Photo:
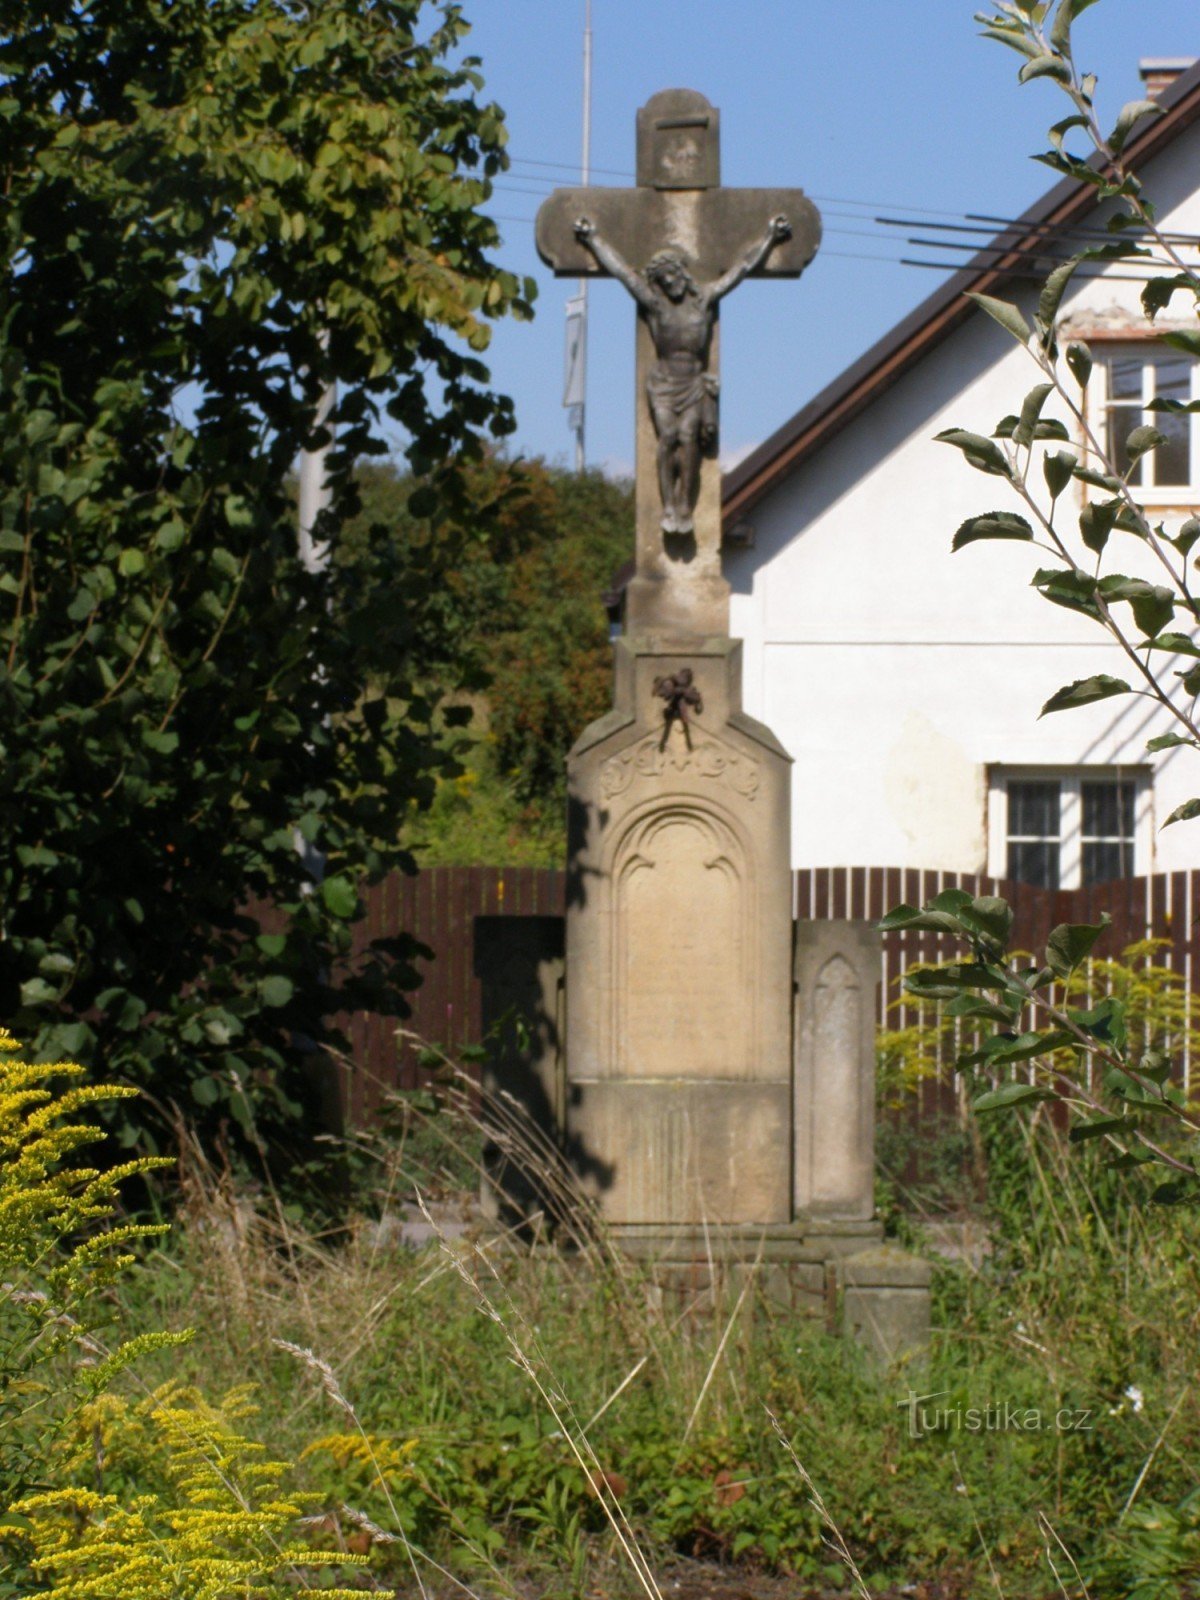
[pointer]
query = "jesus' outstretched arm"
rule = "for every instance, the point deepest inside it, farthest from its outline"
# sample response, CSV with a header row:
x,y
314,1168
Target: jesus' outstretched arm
x,y
614,262
778,228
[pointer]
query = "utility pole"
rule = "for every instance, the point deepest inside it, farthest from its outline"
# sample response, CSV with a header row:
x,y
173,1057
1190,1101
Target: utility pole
x,y
575,384
314,497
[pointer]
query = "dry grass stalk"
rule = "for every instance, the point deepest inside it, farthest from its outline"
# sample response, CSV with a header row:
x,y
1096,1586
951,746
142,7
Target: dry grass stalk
x,y
835,1541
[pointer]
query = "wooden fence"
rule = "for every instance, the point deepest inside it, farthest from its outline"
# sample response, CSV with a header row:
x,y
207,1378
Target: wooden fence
x,y
441,904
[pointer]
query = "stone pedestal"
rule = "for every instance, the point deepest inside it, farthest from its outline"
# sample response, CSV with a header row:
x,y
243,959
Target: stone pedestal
x,y
678,1007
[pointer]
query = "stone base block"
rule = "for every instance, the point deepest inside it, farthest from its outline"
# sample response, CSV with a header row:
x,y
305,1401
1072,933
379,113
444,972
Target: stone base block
x,y
793,1241
678,1152
885,1301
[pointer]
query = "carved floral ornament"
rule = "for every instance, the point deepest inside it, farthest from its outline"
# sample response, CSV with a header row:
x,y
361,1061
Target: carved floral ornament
x,y
704,758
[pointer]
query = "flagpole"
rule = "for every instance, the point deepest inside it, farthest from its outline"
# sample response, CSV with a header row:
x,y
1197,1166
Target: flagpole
x,y
586,176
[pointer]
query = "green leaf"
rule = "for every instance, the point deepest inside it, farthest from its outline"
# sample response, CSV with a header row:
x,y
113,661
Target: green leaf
x,y
1010,36
1068,587
1007,315
340,896
423,502
1031,411
272,945
1011,1094
1130,115
206,1091
1045,66
1071,943
1142,440
275,990
975,1006
1159,292
1180,644
239,513
1058,470
1079,359
944,982
1184,813
1061,129
1188,533
1029,1046
1099,480
1060,30
992,525
1183,339
1098,1128
988,916
939,915
983,454
1085,692
1169,741
37,992
164,743
131,562
1053,290
1096,522
1153,605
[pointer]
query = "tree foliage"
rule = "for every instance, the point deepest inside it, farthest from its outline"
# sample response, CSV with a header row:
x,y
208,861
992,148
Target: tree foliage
x,y
215,209
515,612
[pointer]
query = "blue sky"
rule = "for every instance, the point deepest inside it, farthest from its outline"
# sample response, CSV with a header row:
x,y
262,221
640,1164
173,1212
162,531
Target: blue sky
x,y
874,108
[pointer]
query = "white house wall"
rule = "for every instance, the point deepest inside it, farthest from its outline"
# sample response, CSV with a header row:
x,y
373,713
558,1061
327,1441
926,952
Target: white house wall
x,y
896,673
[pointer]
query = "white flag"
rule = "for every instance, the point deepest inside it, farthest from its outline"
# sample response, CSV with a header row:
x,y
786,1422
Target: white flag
x,y
575,371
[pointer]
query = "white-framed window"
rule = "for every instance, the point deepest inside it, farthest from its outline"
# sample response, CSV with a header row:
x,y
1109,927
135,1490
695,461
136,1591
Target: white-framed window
x,y
1133,375
1061,828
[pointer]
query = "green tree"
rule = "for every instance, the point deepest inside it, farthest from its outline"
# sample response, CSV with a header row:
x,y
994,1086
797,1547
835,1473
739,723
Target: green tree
x,y
1094,1058
513,610
214,209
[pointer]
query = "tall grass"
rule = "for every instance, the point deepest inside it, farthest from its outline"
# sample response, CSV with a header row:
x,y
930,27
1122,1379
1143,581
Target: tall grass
x,y
522,1414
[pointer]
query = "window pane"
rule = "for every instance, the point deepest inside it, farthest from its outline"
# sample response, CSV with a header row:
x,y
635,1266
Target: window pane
x,y
1173,378
1125,377
1033,808
1108,808
1104,861
1035,863
1173,460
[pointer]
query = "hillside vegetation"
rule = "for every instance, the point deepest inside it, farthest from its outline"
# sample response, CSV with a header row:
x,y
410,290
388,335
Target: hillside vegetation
x,y
513,609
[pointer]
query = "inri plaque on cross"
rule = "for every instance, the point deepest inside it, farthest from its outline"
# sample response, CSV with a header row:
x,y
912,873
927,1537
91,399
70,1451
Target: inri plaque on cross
x,y
678,243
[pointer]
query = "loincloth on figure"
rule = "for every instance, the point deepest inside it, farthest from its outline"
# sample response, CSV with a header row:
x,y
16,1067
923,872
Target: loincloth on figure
x,y
681,403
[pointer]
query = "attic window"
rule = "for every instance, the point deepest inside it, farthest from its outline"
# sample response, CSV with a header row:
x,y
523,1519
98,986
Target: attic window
x,y
1134,375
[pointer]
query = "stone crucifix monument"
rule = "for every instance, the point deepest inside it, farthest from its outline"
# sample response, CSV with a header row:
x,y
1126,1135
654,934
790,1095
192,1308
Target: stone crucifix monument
x,y
718,1093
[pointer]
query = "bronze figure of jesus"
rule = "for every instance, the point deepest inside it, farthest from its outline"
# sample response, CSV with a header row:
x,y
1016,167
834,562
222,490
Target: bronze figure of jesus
x,y
681,391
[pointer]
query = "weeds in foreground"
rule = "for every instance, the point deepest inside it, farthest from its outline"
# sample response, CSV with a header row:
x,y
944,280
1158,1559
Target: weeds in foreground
x,y
651,1416
493,1414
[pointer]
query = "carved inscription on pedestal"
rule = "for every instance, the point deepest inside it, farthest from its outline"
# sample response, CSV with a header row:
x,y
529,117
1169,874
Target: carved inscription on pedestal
x,y
682,1000
707,758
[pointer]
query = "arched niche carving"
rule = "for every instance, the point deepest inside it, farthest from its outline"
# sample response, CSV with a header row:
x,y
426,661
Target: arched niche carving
x,y
681,958
838,1108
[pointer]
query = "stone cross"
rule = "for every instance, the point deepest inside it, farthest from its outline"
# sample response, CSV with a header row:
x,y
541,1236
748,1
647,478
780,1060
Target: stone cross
x,y
678,243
